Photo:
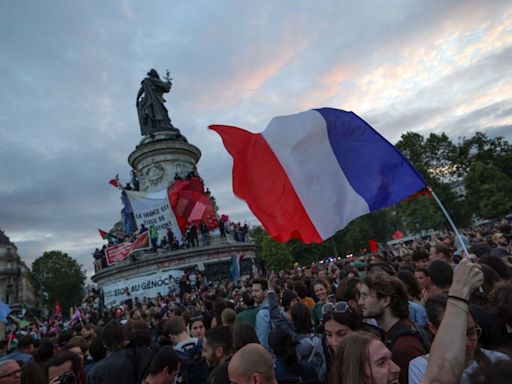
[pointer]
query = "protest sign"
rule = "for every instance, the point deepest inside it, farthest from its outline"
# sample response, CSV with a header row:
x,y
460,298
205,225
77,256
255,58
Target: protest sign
x,y
122,251
149,285
153,208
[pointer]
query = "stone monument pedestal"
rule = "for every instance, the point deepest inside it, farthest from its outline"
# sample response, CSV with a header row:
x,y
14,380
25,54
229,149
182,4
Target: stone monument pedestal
x,y
159,157
162,154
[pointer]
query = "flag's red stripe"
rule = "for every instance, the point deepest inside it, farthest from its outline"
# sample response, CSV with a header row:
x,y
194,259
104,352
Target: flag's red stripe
x,y
261,181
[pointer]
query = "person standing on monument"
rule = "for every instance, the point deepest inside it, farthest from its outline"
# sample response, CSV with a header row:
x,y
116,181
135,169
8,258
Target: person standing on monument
x,y
153,115
203,228
193,235
153,236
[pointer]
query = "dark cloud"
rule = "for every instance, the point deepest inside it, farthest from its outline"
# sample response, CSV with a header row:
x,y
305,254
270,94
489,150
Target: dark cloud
x,y
478,119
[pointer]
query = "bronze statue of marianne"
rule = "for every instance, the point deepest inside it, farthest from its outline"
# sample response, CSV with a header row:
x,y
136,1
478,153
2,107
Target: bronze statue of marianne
x,y
153,115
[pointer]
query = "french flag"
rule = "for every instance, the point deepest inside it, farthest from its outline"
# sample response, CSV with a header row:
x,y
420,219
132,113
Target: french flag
x,y
310,174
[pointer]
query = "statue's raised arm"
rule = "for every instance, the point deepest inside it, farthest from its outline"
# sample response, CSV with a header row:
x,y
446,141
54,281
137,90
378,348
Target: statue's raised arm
x,y
153,115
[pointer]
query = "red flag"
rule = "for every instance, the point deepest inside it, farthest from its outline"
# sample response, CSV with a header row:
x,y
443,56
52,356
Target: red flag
x,y
117,252
224,218
397,235
190,204
107,236
423,192
114,183
374,246
142,242
58,309
122,251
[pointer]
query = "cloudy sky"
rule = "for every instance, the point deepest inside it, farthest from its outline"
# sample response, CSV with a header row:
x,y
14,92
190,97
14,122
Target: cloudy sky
x,y
70,72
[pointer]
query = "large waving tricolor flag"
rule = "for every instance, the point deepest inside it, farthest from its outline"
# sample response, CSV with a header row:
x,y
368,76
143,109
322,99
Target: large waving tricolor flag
x,y
310,174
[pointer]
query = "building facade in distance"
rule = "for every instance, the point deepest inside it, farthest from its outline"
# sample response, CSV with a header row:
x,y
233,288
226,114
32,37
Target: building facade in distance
x,y
15,287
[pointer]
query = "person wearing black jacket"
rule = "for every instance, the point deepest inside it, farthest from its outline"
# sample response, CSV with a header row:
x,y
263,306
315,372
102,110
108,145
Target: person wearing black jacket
x,y
126,363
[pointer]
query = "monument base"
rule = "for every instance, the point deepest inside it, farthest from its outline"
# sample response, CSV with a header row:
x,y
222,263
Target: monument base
x,y
213,260
160,157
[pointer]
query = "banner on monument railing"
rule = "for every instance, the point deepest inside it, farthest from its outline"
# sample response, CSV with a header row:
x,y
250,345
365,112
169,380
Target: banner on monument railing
x,y
122,251
149,286
153,208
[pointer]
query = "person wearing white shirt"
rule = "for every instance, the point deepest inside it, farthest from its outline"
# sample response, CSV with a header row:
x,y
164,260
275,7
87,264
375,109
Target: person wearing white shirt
x,y
475,356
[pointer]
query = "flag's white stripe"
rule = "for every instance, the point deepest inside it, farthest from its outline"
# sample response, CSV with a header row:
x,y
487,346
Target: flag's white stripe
x,y
301,145
197,212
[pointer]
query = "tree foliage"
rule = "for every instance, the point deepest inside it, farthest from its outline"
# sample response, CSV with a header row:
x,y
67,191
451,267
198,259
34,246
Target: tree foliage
x,y
56,277
489,190
440,161
378,226
277,256
480,148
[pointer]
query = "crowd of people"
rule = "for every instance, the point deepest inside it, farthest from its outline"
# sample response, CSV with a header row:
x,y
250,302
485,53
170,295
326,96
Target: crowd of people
x,y
421,312
195,236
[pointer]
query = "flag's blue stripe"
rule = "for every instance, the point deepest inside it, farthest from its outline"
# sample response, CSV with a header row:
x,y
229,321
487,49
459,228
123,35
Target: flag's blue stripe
x,y
373,166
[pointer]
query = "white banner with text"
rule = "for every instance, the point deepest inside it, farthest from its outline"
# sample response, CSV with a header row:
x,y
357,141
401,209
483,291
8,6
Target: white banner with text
x,y
153,208
149,286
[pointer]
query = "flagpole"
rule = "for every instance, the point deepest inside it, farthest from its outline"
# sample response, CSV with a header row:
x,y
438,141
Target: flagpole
x,y
449,220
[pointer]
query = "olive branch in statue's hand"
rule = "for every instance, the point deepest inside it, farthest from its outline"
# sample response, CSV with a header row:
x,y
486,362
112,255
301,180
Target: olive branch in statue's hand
x,y
167,78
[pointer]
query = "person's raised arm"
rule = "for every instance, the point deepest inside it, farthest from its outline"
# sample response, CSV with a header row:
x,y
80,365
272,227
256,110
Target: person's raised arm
x,y
447,355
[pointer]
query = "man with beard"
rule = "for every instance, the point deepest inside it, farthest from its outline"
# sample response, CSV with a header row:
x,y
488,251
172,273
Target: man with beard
x,y
259,293
218,350
384,298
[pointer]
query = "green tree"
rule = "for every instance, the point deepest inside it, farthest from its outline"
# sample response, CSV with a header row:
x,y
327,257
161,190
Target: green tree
x,y
272,253
419,214
440,153
277,256
479,148
488,191
377,226
437,159
433,157
56,277
411,144
306,254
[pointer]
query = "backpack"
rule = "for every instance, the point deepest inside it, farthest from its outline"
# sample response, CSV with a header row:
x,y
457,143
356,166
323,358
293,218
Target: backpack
x,y
409,330
315,357
194,368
